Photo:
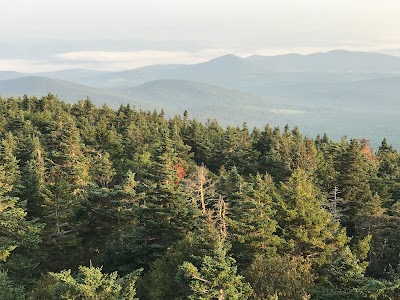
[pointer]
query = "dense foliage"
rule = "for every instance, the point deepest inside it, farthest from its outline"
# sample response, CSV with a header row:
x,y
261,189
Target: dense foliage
x,y
104,204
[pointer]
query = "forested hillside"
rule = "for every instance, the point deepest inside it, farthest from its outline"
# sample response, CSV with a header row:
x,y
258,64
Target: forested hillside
x,y
97,203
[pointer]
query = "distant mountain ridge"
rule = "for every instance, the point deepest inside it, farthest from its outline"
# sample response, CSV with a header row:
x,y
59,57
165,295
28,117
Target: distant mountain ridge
x,y
340,92
230,69
332,61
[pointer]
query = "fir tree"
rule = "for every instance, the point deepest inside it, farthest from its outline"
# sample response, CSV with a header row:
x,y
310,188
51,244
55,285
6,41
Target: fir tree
x,y
19,238
307,227
252,221
89,284
216,278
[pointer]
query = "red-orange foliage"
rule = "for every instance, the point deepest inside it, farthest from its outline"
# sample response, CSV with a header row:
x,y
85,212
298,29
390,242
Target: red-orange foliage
x,y
366,149
181,172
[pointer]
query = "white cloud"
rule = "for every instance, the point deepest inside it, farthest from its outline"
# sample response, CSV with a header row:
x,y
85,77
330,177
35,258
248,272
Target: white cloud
x,y
14,64
33,66
110,60
131,59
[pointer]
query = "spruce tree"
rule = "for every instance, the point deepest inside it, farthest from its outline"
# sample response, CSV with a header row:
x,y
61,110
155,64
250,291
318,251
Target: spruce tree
x,y
216,278
280,277
66,177
19,238
9,161
89,284
307,226
252,221
355,170
9,290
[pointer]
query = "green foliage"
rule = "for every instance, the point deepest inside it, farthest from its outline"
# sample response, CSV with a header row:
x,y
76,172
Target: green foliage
x,y
276,277
162,281
90,283
19,237
236,150
216,278
252,221
128,189
9,290
102,170
379,289
306,225
9,161
355,168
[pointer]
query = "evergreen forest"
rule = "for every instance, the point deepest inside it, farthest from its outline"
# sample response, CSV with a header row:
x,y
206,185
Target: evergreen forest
x,y
106,204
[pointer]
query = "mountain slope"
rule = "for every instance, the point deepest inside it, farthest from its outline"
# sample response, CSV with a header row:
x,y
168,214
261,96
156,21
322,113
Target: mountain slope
x,y
10,75
74,75
206,101
174,96
41,86
170,91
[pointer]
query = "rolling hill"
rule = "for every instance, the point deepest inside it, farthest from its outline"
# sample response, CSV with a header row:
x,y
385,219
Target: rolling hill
x,y
10,75
174,96
68,91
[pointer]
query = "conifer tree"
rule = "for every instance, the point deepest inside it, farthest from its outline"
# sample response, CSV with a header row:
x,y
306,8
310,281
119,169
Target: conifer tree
x,y
9,290
354,182
278,160
89,284
252,221
197,137
341,278
106,213
9,161
307,226
164,280
33,185
216,278
19,238
67,175
236,150
388,174
280,277
86,114
102,171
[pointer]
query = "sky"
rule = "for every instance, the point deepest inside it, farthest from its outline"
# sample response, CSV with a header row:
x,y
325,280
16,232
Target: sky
x,y
48,35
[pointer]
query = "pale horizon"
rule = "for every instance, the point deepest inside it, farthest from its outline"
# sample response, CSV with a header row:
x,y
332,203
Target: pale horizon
x,y
118,35
116,61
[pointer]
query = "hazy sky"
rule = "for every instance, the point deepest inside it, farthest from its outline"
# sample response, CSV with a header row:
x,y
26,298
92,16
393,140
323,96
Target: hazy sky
x,y
45,35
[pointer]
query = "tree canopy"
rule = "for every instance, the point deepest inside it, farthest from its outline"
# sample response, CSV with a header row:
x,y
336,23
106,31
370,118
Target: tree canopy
x,y
97,203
